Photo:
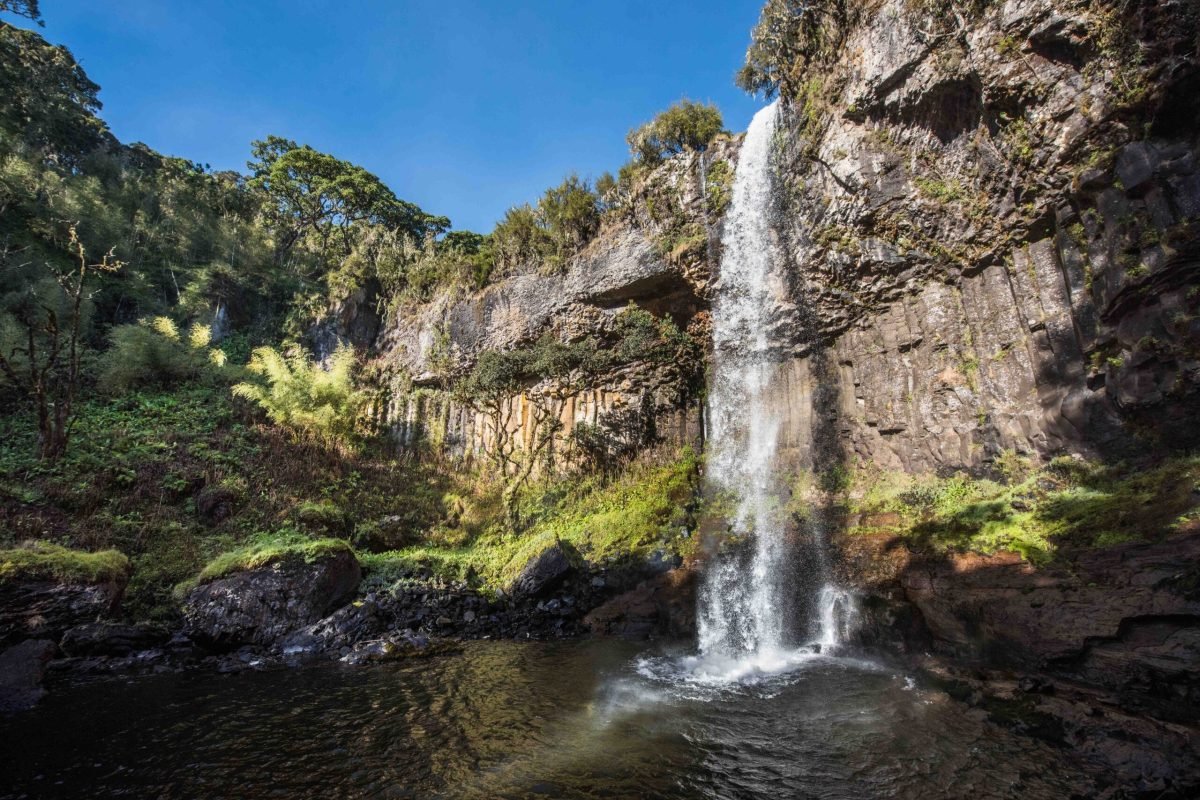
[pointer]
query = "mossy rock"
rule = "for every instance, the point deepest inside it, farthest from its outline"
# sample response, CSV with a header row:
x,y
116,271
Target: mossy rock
x,y
44,561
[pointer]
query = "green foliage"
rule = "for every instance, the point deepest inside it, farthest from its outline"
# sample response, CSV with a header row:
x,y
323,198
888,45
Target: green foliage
x,y
641,511
564,221
264,550
637,336
47,561
685,125
319,198
718,190
314,402
47,99
22,8
322,516
153,354
1034,512
791,36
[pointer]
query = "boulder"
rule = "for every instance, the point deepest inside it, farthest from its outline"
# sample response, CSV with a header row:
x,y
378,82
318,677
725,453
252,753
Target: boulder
x,y
46,609
261,606
21,670
111,639
544,572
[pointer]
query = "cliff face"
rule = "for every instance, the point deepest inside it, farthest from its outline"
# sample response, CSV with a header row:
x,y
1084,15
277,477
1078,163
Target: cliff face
x,y
992,222
654,252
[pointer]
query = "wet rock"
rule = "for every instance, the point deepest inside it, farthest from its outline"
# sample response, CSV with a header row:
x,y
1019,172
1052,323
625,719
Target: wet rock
x,y
544,572
661,606
47,609
343,628
398,646
111,639
263,605
22,668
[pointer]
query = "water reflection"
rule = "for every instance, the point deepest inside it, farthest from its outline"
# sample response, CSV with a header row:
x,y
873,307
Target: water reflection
x,y
506,720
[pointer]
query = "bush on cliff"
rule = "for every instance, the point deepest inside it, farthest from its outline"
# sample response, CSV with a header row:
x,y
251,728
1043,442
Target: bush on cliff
x,y
685,125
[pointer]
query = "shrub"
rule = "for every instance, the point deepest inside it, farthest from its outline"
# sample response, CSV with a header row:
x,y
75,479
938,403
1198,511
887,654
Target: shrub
x,y
790,35
684,126
153,353
566,218
300,395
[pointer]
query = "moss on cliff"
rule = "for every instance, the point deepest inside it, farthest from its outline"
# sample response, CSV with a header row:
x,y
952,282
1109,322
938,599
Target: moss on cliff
x,y
1034,512
265,550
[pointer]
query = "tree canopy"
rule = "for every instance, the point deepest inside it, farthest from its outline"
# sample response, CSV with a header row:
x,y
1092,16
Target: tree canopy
x,y
684,125
314,193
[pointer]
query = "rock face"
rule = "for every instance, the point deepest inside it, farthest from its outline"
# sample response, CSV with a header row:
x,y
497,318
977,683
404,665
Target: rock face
x,y
111,639
21,670
47,609
261,606
1098,651
664,605
994,245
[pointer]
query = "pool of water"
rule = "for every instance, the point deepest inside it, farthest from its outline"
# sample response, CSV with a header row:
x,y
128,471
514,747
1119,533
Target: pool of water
x,y
586,719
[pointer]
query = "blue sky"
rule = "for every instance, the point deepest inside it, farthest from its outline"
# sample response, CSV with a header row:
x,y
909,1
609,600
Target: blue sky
x,y
464,107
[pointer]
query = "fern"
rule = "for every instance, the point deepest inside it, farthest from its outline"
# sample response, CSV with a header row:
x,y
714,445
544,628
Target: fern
x,y
310,401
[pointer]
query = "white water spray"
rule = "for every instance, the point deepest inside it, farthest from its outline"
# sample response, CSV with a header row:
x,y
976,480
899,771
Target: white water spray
x,y
746,596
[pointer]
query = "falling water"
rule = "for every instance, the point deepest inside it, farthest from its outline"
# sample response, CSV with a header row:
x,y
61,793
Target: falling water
x,y
747,596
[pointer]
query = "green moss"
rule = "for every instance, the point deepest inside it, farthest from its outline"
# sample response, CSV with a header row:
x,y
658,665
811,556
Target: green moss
x,y
943,191
1033,512
636,514
46,561
265,550
719,188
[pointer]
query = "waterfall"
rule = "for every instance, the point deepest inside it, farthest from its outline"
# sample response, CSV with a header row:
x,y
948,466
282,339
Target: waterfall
x,y
746,599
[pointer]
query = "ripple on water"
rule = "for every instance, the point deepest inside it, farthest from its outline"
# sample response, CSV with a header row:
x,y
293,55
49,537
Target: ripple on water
x,y
574,719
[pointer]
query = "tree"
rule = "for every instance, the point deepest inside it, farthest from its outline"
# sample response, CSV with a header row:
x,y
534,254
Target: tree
x,y
46,99
42,363
790,34
315,194
22,8
683,126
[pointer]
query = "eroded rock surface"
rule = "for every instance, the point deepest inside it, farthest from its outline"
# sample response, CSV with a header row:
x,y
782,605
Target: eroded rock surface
x,y
47,609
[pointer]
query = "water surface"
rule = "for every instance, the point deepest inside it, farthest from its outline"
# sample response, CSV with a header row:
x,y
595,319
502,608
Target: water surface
x,y
585,719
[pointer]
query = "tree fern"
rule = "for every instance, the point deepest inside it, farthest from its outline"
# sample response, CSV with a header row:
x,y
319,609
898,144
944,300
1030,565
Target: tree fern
x,y
302,396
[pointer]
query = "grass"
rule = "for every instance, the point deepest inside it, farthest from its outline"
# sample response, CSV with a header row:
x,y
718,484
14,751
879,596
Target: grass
x,y
1033,512
48,561
638,513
